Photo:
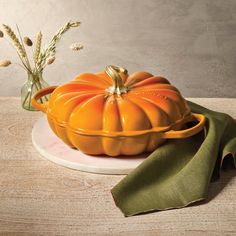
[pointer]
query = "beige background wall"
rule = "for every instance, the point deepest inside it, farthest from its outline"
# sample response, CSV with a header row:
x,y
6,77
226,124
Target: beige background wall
x,y
191,42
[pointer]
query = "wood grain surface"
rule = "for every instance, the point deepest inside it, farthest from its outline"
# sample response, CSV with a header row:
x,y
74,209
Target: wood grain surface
x,y
38,197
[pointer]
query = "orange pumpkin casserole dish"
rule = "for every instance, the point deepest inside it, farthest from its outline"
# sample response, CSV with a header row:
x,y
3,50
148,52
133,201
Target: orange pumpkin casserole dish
x,y
114,113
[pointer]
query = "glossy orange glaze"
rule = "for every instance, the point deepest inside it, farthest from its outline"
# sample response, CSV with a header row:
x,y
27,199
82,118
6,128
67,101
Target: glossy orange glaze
x,y
86,116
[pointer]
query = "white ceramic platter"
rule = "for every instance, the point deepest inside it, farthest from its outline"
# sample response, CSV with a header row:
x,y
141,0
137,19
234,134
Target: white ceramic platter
x,y
53,149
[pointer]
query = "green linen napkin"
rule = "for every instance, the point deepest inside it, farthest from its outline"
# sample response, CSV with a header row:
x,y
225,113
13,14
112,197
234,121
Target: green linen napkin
x,y
179,172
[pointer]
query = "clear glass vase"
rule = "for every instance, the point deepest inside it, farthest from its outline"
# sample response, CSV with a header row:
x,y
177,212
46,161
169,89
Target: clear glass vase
x,y
33,84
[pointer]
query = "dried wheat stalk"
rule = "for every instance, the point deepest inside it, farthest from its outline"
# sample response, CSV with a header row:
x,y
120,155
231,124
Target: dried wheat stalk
x,y
37,46
28,41
76,46
40,58
5,63
50,51
15,41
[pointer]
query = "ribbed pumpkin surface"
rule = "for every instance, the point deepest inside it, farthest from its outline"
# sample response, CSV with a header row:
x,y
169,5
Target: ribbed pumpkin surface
x,y
84,105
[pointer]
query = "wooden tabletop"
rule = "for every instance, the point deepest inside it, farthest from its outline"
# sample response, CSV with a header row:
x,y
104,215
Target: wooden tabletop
x,y
38,197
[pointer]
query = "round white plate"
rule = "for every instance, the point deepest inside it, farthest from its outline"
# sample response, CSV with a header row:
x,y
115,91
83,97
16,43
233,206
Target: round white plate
x,y
53,149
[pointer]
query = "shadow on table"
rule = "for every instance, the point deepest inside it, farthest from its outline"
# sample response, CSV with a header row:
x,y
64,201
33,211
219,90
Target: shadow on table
x,y
228,172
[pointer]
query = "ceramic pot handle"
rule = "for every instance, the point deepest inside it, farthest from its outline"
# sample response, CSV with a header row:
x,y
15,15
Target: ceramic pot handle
x,y
187,132
38,95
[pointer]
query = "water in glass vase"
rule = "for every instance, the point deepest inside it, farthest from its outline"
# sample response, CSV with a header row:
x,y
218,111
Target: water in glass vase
x,y
34,83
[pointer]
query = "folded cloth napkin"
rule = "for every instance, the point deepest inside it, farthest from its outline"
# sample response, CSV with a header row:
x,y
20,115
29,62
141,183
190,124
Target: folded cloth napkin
x,y
179,172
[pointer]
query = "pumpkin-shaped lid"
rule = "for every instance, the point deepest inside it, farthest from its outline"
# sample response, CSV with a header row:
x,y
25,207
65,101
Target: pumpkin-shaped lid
x,y
113,102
